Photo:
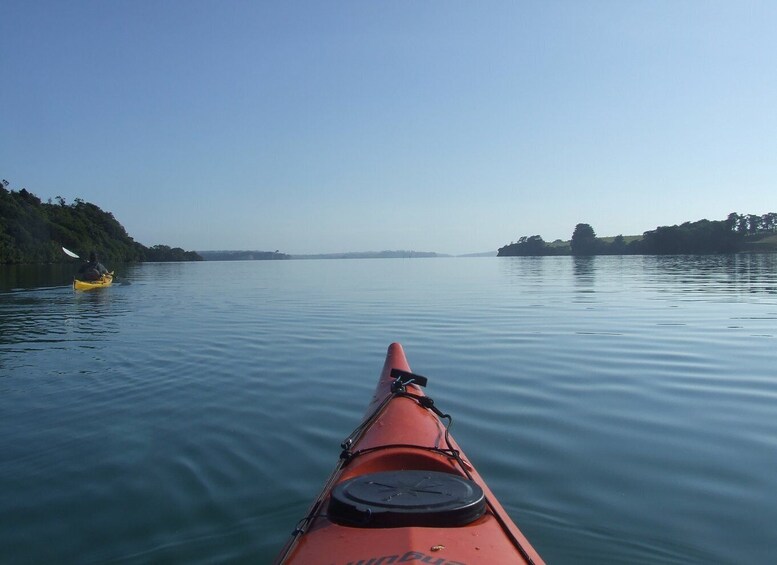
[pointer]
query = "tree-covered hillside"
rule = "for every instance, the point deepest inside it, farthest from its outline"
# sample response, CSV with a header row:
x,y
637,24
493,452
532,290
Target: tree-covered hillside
x,y
32,231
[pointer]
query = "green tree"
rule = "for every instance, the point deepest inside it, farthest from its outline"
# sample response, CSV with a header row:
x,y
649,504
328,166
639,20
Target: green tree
x,y
584,240
734,222
753,223
527,246
618,246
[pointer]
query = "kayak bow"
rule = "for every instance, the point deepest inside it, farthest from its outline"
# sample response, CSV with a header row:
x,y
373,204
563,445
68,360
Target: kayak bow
x,y
403,492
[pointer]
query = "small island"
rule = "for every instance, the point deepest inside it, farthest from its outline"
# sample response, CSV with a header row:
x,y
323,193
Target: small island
x,y
737,233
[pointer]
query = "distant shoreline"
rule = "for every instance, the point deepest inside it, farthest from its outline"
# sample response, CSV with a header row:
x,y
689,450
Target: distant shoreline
x,y
738,233
246,255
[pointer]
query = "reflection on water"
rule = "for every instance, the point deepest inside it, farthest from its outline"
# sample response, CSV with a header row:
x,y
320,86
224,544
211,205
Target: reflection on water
x,y
621,408
726,274
754,273
18,277
584,269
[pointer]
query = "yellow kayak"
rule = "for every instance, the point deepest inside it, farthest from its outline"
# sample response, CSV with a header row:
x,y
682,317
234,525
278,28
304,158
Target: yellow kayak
x,y
102,282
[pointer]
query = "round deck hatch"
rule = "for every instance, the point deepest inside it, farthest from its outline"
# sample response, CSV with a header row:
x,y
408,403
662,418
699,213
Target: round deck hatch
x,y
394,499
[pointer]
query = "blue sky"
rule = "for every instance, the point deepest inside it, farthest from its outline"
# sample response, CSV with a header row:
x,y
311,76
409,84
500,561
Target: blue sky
x,y
455,127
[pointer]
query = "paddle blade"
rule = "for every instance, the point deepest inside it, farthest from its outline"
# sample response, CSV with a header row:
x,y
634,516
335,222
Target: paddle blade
x,y
68,252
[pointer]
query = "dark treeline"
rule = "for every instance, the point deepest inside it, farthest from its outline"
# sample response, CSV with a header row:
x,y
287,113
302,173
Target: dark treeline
x,y
736,233
533,245
32,231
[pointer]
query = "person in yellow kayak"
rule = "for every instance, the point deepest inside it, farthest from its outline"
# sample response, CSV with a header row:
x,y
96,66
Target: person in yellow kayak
x,y
93,270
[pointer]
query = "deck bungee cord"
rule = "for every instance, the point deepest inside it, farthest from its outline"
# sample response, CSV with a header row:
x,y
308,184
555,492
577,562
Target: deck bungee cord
x,y
398,389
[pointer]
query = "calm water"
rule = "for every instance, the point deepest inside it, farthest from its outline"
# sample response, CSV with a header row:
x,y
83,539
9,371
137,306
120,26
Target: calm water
x,y
623,409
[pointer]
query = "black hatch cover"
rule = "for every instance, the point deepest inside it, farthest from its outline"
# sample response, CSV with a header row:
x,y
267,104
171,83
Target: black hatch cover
x,y
394,499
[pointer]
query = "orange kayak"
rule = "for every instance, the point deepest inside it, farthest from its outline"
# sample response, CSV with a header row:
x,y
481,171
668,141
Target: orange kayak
x,y
404,492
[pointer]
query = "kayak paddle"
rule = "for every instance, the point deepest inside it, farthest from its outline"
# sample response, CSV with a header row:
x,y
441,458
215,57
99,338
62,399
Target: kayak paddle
x,y
70,253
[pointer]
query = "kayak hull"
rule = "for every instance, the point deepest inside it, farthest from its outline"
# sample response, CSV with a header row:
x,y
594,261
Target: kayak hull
x,y
102,282
402,434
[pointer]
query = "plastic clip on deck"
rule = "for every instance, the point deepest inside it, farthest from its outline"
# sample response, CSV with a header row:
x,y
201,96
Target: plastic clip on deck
x,y
404,378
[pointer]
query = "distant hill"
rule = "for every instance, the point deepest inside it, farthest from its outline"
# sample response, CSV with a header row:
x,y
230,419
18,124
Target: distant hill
x,y
483,254
372,255
242,255
275,255
32,231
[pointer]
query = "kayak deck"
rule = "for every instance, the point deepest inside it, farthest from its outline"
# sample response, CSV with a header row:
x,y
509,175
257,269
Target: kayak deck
x,y
404,492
